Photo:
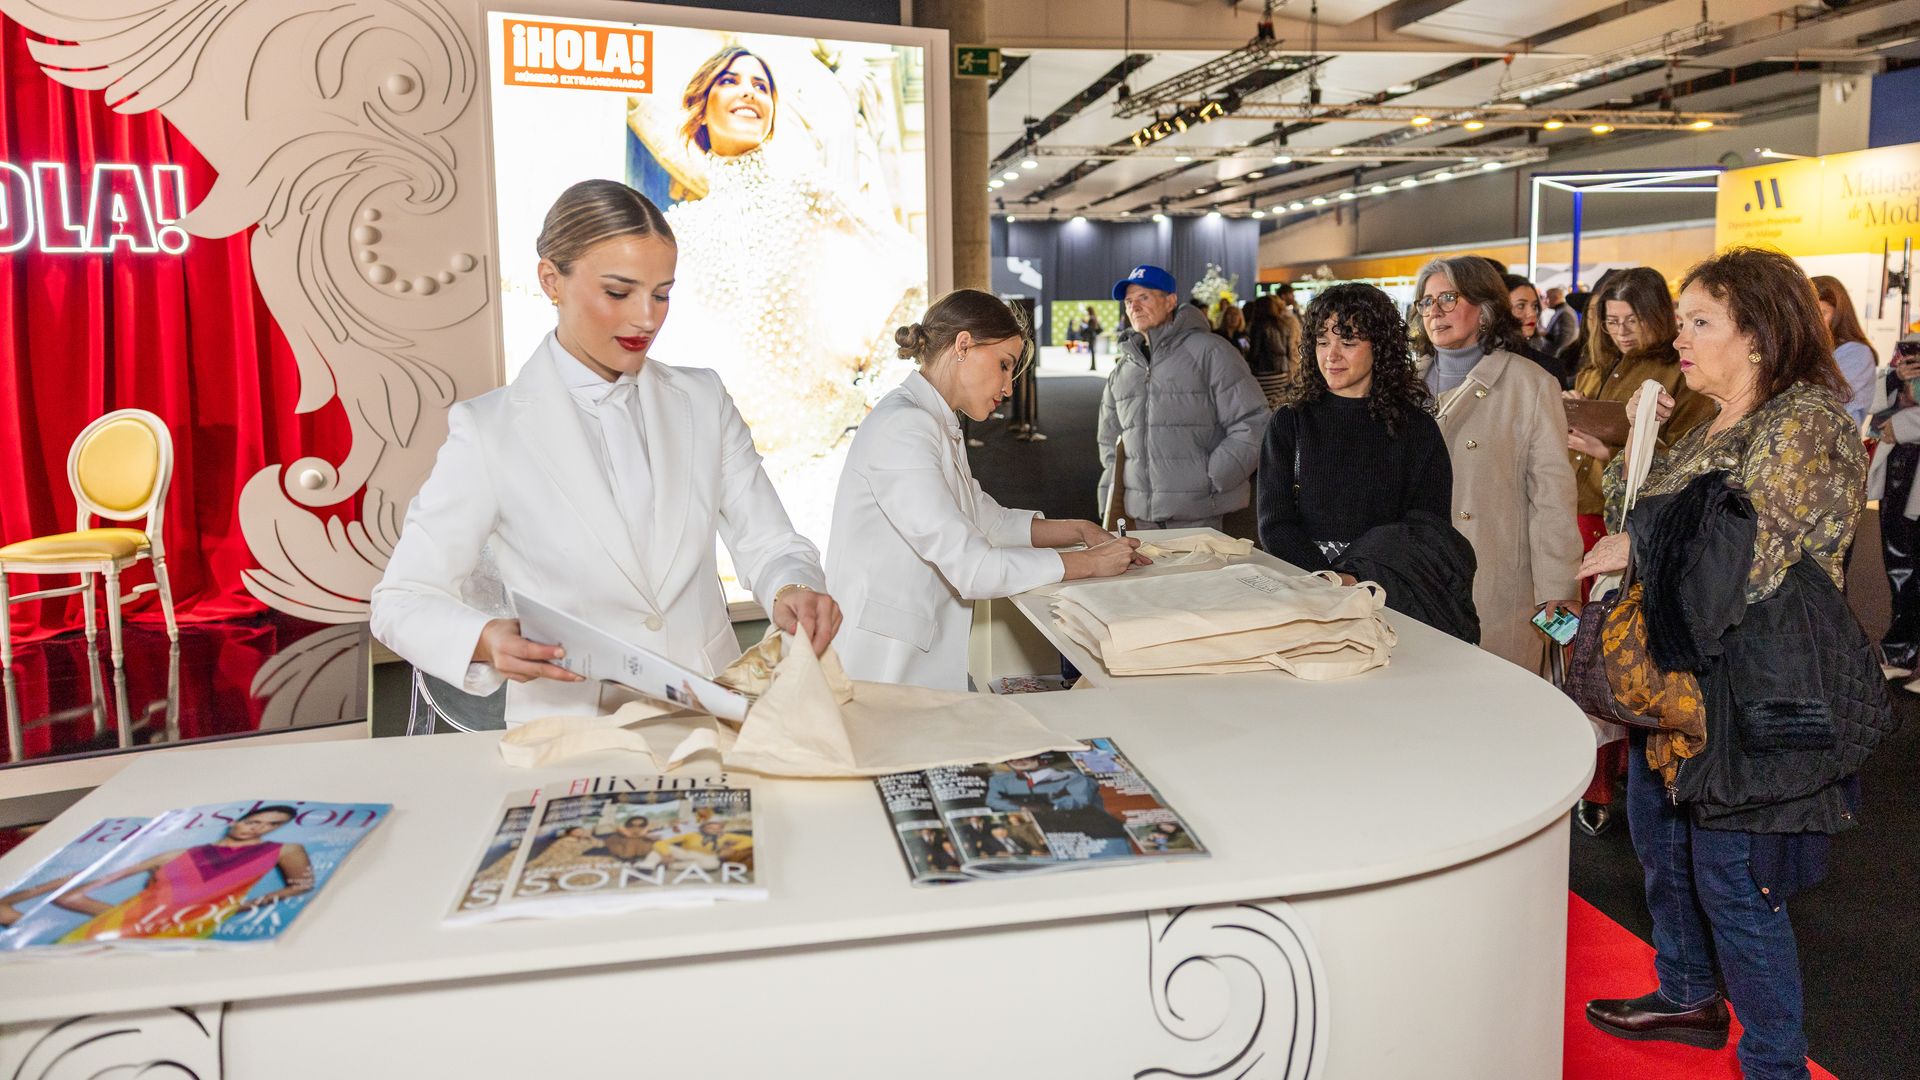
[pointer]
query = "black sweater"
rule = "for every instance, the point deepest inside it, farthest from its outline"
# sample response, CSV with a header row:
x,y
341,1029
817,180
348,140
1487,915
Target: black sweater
x,y
1351,477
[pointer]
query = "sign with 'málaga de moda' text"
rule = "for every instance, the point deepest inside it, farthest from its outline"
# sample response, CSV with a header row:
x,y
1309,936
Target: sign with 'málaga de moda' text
x,y
102,209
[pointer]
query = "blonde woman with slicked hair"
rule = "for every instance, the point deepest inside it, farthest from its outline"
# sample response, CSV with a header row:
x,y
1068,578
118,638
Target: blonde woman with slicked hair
x,y
599,479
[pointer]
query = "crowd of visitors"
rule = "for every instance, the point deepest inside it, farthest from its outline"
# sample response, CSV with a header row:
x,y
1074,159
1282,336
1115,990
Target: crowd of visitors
x,y
1475,445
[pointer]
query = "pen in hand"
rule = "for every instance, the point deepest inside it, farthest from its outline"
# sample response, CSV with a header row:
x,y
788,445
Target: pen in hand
x,y
1122,522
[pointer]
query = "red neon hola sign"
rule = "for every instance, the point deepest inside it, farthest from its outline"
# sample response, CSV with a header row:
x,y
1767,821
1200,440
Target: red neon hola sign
x,y
126,206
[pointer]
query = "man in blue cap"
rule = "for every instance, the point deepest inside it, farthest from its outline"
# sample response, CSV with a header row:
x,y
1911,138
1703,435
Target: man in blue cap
x,y
1187,408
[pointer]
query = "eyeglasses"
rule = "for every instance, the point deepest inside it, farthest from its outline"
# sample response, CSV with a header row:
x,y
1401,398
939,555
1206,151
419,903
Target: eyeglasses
x,y
1626,325
1445,302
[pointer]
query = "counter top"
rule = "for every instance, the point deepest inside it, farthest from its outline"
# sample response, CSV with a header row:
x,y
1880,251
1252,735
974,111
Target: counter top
x,y
1446,754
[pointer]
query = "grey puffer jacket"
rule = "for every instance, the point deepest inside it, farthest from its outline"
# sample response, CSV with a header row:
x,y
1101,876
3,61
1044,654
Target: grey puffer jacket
x,y
1191,418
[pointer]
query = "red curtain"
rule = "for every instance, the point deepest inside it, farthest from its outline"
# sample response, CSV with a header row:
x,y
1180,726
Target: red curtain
x,y
186,336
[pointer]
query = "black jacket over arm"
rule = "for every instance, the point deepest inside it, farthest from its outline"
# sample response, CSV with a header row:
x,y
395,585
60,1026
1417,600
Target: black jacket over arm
x,y
1795,699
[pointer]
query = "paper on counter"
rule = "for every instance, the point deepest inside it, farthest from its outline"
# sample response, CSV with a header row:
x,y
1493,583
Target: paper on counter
x,y
807,720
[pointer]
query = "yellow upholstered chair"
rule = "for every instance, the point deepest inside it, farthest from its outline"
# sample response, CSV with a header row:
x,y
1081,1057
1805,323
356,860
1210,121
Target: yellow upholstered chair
x,y
119,469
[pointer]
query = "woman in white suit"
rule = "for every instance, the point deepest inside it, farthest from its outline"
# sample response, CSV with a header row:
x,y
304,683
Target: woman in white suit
x,y
599,478
915,540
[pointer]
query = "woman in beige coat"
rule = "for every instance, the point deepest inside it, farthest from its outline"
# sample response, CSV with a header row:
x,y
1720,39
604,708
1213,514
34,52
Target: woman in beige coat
x,y
1513,492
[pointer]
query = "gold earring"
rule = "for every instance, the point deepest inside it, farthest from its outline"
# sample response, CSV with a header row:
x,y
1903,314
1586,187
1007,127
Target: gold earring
x,y
1753,358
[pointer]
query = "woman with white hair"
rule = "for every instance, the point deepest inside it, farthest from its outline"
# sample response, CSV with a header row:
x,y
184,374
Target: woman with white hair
x,y
1513,491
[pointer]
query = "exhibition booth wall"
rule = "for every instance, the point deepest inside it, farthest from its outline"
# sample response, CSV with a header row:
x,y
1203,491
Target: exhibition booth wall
x,y
299,236
1078,261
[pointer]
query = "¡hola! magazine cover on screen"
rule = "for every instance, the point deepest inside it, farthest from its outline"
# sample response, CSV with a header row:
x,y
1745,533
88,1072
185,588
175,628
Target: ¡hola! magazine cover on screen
x,y
793,173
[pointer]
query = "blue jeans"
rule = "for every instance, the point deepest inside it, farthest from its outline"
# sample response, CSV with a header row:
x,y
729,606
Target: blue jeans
x,y
1708,912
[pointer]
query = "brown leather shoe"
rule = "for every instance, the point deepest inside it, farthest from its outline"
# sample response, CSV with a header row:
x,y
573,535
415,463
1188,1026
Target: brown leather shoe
x,y
1652,1017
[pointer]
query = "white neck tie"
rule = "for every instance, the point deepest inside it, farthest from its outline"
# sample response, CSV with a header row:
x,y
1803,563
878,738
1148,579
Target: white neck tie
x,y
630,471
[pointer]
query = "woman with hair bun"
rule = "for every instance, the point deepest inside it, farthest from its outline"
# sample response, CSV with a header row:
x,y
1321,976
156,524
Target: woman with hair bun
x,y
915,540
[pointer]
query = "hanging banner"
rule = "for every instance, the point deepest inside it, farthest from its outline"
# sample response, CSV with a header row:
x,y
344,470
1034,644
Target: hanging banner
x,y
1831,205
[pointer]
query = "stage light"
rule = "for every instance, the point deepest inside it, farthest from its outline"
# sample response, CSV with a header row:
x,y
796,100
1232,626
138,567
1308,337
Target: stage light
x,y
1379,189
1255,175
996,185
1257,214
1318,201
1474,125
1029,163
1279,208
1443,176
1346,196
1337,151
1159,218
1126,213
1184,158
1421,121
1297,206
1282,159
1491,166
1601,129
1079,219
1554,124
1701,125
1213,215
1009,175
1409,182
1009,219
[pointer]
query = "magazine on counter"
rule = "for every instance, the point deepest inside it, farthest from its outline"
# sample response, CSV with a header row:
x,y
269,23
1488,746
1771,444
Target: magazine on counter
x,y
614,843
595,654
29,893
206,876
1060,810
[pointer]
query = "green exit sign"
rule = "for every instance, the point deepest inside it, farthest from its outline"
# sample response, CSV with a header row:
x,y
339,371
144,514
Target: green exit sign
x,y
976,61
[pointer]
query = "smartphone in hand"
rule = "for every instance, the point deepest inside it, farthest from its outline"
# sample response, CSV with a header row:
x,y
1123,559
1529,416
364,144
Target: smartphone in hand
x,y
1559,624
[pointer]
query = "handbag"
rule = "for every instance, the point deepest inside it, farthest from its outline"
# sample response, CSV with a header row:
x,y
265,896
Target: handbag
x,y
1587,679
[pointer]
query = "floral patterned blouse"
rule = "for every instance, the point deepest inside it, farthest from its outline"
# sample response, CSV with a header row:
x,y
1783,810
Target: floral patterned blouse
x,y
1800,458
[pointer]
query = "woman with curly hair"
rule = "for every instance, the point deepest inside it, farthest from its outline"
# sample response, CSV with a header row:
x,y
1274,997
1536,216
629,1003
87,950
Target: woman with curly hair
x,y
1353,444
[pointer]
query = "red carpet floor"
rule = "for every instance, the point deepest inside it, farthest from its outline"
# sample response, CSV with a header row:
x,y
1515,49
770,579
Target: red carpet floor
x,y
1605,959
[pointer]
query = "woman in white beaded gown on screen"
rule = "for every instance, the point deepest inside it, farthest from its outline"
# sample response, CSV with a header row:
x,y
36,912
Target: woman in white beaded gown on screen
x,y
787,286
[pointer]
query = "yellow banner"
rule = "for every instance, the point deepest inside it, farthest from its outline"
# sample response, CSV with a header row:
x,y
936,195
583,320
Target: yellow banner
x,y
1831,205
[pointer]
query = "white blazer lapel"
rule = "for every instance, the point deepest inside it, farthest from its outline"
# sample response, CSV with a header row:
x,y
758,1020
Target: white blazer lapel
x,y
668,416
549,424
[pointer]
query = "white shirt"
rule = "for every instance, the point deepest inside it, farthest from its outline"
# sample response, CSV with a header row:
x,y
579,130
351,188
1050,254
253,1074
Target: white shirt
x,y
616,435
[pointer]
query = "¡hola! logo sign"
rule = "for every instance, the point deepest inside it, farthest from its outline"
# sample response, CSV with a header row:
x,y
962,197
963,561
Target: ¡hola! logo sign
x,y
578,56
125,206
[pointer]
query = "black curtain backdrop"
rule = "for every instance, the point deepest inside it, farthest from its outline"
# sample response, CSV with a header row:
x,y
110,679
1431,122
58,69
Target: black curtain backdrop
x,y
1082,260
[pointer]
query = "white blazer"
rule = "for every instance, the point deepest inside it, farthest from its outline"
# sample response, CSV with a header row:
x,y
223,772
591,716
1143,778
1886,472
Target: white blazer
x,y
516,473
915,541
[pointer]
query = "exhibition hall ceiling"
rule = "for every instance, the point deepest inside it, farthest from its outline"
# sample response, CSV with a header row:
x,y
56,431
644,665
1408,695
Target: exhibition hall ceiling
x,y
1754,58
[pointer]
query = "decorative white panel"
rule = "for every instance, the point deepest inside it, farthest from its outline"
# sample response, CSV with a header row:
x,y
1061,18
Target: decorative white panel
x,y
350,133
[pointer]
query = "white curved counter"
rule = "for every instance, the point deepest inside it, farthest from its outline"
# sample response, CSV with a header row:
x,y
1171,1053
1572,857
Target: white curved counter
x,y
1386,898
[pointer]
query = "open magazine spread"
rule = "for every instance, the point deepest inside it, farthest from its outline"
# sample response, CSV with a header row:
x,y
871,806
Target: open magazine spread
x,y
1055,811
222,874
613,843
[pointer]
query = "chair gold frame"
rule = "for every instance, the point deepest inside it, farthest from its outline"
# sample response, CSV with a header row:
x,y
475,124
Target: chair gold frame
x,y
120,468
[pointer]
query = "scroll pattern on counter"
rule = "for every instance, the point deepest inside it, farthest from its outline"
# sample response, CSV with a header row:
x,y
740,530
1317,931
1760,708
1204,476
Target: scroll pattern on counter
x,y
175,1044
1268,1020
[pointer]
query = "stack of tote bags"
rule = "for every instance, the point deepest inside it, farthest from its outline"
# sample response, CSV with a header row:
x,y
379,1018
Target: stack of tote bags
x,y
1242,618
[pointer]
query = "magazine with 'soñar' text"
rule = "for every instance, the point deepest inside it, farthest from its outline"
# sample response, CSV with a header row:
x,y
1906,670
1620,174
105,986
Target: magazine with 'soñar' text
x,y
602,844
